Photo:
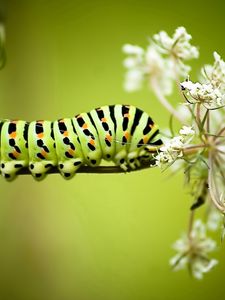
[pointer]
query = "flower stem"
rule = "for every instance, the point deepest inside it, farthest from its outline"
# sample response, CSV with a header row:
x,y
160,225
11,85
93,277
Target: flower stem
x,y
198,114
220,133
192,149
190,223
212,186
162,99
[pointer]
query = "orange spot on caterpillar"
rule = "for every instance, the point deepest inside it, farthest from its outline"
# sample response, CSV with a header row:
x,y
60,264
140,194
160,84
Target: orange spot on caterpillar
x,y
85,126
44,153
103,119
92,142
65,133
71,152
151,125
145,139
13,135
108,137
126,134
40,135
15,153
127,116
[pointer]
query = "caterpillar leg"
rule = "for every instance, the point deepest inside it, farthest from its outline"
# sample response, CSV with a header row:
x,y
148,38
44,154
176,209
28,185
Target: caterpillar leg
x,y
120,160
9,169
134,160
68,168
39,168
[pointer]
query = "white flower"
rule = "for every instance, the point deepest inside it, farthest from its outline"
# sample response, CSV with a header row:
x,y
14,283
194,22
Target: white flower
x,y
215,74
214,220
193,251
200,267
133,80
163,158
149,64
184,112
177,48
132,49
179,45
204,93
170,151
173,148
134,64
186,131
130,62
161,63
160,69
177,143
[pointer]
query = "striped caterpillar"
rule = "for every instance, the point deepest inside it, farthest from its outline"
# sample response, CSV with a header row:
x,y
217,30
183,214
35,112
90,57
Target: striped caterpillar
x,y
123,134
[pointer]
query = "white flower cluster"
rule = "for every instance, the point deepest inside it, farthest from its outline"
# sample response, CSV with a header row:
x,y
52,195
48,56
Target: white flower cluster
x,y
135,64
215,73
193,251
205,93
211,93
161,62
179,45
214,220
172,149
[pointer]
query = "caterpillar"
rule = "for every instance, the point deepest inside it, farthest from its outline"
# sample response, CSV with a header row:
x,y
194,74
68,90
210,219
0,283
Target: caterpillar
x,y
123,134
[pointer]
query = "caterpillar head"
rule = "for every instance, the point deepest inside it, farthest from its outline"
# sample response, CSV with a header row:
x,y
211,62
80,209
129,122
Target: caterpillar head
x,y
149,152
94,158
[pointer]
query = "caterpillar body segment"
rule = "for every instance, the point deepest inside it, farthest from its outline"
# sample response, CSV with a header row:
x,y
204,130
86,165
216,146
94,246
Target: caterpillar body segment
x,y
125,117
41,148
68,147
103,120
14,147
123,134
89,139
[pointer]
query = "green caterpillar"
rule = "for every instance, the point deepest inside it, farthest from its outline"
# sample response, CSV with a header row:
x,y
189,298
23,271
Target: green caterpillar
x,y
123,134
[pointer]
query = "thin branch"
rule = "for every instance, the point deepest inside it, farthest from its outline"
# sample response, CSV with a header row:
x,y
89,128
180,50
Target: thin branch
x,y
93,170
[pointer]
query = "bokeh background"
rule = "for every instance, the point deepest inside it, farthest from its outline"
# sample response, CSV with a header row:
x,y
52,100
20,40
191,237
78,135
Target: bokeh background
x,y
105,237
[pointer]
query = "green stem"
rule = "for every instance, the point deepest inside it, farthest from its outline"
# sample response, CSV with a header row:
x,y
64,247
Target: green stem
x,y
162,99
212,186
190,223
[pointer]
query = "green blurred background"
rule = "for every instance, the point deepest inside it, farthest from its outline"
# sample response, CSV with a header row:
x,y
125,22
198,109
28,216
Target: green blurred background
x,y
105,237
